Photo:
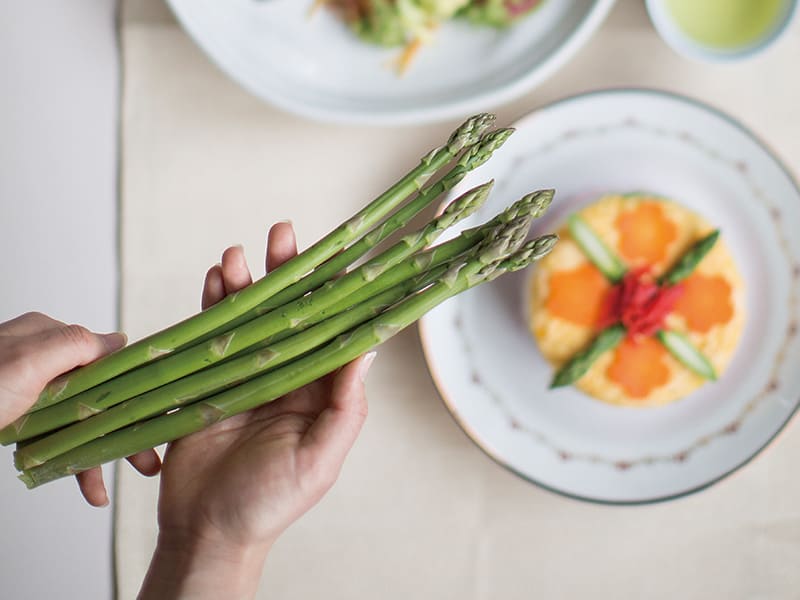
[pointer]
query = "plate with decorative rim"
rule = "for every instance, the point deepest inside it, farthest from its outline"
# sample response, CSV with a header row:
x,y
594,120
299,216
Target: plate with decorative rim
x,y
495,382
314,66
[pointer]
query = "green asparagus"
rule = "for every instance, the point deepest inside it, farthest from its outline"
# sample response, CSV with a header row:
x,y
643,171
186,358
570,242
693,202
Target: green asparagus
x,y
474,157
687,263
596,249
215,379
242,368
493,255
578,365
364,281
681,347
167,340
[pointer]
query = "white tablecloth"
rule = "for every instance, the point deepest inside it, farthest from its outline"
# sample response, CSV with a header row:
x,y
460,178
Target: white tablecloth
x,y
419,512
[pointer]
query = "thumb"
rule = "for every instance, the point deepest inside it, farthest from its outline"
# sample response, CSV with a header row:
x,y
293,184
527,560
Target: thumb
x,y
59,350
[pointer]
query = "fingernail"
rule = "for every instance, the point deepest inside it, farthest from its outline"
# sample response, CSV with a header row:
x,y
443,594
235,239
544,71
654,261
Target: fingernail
x,y
287,221
114,341
365,364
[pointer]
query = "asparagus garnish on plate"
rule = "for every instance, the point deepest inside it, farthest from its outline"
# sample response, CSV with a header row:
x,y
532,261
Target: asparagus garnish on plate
x,y
614,269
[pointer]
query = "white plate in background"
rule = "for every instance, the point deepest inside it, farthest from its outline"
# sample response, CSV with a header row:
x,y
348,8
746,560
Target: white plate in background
x,y
317,68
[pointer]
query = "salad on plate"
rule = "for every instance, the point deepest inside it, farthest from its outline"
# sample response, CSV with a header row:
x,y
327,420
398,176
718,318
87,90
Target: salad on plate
x,y
413,23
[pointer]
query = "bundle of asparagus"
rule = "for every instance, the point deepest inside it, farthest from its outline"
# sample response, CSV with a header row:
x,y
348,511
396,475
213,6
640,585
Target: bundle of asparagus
x,y
298,323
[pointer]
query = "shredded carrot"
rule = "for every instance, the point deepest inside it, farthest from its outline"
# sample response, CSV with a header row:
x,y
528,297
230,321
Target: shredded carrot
x,y
407,56
577,295
645,233
706,301
638,366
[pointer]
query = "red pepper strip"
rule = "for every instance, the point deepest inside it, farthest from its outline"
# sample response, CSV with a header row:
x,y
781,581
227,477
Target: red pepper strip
x,y
639,303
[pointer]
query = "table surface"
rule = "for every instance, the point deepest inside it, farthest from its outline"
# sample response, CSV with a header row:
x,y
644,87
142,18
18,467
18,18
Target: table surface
x,y
58,237
418,510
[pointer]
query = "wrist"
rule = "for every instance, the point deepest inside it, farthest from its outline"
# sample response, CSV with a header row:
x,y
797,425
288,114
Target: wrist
x,y
191,566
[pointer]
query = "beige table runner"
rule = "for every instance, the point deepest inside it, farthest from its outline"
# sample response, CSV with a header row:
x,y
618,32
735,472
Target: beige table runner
x,y
419,512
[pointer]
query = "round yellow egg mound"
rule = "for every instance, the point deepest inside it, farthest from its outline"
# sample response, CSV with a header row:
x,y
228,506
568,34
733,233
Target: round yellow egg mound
x,y
560,339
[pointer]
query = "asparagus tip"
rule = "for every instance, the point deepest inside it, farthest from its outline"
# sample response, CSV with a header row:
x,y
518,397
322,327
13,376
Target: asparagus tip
x,y
465,205
527,254
482,151
469,132
538,202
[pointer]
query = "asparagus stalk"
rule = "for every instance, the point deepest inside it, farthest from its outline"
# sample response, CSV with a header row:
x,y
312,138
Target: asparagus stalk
x,y
356,285
84,405
492,256
532,205
267,329
274,352
167,340
240,368
687,263
596,249
215,379
608,339
681,347
472,159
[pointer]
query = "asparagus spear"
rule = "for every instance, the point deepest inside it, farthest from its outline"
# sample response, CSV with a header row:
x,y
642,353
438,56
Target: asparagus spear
x,y
215,379
270,328
240,368
167,340
244,367
687,263
529,252
681,347
472,159
532,205
492,256
578,365
596,249
364,281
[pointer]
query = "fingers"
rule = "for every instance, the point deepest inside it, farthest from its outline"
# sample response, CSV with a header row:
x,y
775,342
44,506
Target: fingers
x,y
281,244
225,278
57,350
329,439
214,287
92,487
232,274
147,462
235,274
29,324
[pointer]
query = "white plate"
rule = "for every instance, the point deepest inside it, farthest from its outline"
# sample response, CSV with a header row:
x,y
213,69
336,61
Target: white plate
x,y
316,67
490,373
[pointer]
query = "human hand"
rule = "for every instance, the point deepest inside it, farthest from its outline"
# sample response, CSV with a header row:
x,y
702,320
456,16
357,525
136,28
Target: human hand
x,y
229,491
34,349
